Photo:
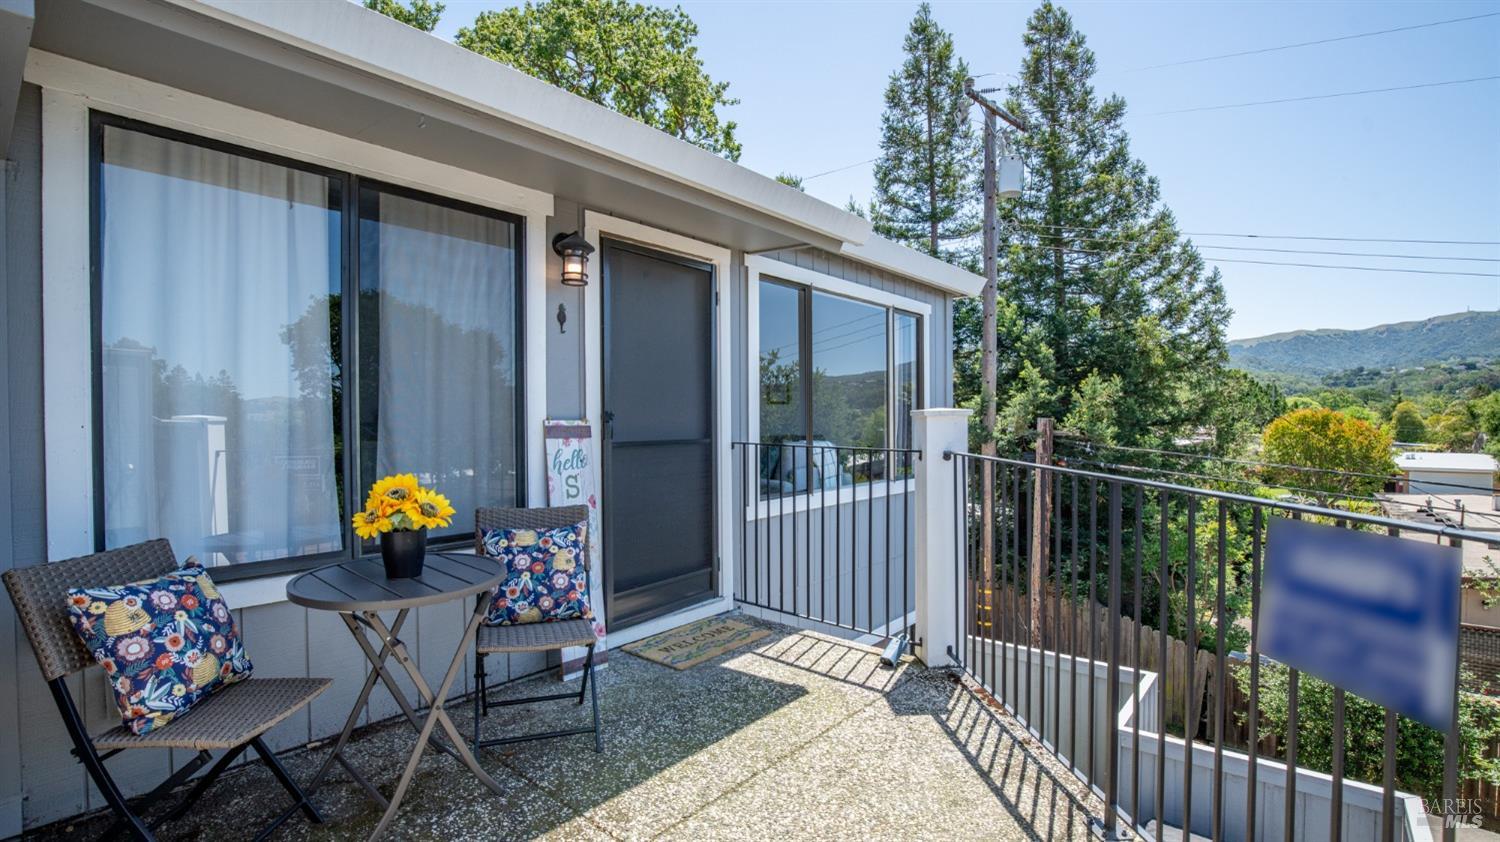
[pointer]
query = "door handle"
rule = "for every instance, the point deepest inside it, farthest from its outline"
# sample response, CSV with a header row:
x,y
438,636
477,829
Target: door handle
x,y
609,421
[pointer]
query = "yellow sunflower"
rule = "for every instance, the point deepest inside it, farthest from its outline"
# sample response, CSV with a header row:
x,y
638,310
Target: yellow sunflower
x,y
430,509
370,523
390,494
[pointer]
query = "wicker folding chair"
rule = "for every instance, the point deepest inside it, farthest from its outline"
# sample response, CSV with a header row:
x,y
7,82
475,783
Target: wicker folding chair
x,y
532,637
232,719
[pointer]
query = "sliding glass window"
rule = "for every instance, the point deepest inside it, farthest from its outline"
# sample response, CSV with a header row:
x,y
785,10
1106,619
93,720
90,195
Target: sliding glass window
x,y
839,378
219,350
907,372
439,391
216,357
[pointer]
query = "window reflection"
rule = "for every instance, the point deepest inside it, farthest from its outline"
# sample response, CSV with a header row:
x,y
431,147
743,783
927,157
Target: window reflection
x,y
832,369
219,374
437,343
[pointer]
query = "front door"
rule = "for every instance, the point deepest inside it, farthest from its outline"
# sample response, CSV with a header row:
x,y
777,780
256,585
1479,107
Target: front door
x,y
658,504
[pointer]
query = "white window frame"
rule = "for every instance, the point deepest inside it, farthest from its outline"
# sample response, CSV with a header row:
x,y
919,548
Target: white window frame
x,y
758,267
70,89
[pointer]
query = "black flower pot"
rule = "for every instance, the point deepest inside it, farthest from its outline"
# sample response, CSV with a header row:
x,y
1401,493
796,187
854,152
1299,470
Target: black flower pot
x,y
403,553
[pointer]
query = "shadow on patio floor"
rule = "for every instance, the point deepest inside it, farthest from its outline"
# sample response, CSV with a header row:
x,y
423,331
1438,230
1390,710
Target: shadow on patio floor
x,y
798,736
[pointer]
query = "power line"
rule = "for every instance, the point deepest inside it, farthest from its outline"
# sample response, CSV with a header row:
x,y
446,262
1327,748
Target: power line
x,y
1297,237
1212,478
1311,43
840,169
836,326
1212,259
1300,251
1322,96
1255,463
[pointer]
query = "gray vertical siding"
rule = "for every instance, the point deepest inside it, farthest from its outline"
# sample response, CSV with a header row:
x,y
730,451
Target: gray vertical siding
x,y
565,355
22,515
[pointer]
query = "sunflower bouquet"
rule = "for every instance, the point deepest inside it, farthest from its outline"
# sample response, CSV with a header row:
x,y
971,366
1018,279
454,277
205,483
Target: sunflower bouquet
x,y
399,504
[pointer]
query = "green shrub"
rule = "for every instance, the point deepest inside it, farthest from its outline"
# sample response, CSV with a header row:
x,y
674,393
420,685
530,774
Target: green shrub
x,y
1419,748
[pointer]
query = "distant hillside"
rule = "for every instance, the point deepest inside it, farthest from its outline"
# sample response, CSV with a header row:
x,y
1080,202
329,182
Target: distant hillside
x,y
1460,336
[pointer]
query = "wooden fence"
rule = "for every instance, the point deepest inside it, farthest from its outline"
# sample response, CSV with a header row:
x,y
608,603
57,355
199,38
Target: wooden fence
x,y
1077,626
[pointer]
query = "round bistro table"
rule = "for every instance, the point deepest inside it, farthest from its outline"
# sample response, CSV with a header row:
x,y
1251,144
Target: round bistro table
x,y
358,591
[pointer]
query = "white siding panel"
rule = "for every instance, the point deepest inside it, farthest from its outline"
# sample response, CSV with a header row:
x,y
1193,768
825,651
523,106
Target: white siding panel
x,y
275,637
331,653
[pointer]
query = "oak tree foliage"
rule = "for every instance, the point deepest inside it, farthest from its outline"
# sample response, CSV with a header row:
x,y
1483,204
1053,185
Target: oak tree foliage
x,y
634,58
421,14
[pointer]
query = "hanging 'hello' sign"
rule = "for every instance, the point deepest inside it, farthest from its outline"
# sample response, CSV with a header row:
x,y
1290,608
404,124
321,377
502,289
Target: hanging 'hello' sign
x,y
570,482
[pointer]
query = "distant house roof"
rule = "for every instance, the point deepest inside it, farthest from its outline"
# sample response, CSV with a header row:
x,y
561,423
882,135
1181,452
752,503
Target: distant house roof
x,y
1478,463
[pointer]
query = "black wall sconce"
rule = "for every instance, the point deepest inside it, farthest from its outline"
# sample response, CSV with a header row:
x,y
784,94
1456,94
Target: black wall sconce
x,y
574,251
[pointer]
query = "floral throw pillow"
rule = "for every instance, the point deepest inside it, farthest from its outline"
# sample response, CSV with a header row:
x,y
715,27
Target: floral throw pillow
x,y
546,580
165,643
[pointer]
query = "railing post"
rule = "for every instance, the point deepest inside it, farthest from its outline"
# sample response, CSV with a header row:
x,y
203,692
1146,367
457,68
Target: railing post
x,y
1041,522
936,431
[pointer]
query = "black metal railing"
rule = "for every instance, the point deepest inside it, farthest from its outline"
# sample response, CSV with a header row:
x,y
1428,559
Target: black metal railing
x,y
1070,580
827,534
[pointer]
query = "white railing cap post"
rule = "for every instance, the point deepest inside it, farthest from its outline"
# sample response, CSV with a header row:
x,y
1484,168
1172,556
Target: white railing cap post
x,y
935,432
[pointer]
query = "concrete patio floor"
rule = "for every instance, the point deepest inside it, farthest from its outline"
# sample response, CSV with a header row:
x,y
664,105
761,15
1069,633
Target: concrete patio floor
x,y
796,736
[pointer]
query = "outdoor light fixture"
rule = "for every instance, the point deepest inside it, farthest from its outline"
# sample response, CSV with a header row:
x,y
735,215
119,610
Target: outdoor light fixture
x,y
575,251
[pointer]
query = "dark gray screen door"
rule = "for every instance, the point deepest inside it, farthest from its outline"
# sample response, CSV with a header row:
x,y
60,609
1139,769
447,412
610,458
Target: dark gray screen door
x,y
658,432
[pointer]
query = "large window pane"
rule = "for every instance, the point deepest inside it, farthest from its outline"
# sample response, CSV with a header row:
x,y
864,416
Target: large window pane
x,y
849,385
218,282
783,410
438,337
908,369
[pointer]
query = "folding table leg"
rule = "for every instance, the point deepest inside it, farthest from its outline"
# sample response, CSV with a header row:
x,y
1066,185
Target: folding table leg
x,y
359,705
390,641
439,701
435,715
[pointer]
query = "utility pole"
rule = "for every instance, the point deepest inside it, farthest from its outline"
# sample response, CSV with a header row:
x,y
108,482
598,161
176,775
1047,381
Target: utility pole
x,y
987,364
992,110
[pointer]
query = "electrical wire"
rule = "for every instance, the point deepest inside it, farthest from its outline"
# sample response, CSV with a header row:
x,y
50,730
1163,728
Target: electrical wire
x,y
1312,97
1438,257
1211,259
840,169
1255,463
1187,474
1293,237
1317,42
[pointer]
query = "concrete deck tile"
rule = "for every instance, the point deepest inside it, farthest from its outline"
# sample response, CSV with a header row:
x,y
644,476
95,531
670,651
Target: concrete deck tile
x,y
709,728
795,736
932,763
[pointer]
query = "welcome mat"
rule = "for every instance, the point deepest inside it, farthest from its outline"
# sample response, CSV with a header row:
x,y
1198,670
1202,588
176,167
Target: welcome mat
x,y
695,643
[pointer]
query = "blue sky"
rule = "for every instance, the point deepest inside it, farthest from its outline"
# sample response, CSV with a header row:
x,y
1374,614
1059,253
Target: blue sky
x,y
1416,164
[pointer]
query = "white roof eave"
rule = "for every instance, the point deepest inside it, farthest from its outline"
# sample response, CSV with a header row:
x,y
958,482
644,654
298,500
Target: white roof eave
x,y
913,264
346,33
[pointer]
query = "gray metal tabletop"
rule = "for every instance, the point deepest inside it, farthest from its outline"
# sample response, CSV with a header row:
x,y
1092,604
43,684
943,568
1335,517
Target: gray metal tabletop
x,y
361,585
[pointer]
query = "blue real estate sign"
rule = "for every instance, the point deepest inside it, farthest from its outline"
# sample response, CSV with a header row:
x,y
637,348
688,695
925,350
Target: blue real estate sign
x,y
1374,614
